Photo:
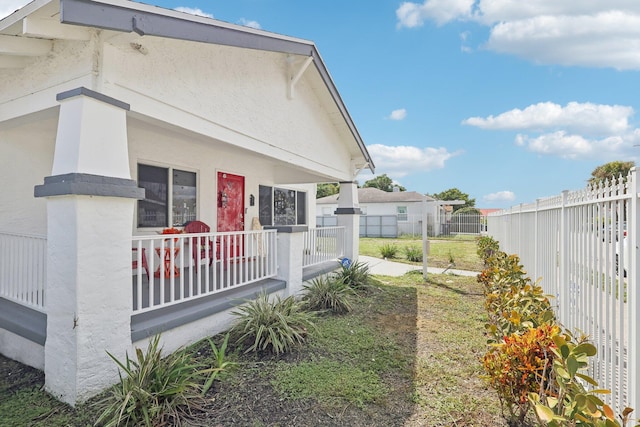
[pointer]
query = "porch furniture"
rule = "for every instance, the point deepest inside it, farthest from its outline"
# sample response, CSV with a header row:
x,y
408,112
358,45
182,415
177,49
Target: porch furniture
x,y
199,245
134,263
166,259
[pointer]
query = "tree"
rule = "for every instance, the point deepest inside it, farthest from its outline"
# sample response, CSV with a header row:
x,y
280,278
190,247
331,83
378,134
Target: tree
x,y
455,194
610,171
327,189
467,211
384,183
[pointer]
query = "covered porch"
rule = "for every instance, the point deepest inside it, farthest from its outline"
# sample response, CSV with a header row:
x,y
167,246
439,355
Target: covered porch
x,y
183,119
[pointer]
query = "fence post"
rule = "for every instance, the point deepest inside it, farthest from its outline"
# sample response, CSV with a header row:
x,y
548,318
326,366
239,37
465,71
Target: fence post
x,y
535,242
633,352
563,289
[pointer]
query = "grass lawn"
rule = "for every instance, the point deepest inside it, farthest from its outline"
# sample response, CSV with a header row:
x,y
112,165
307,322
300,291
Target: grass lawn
x,y
407,355
461,249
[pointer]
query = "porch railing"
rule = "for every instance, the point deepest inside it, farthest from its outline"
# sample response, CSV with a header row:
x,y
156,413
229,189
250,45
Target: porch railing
x,y
323,244
174,268
23,268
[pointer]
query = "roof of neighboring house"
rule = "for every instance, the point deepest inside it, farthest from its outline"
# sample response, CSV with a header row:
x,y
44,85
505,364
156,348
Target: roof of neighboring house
x,y
147,20
487,211
374,195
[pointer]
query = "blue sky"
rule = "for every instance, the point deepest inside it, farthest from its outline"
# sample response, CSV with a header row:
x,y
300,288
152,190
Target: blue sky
x,y
507,100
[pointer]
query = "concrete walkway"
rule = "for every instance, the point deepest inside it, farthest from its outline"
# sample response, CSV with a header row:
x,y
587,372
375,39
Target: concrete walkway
x,y
383,267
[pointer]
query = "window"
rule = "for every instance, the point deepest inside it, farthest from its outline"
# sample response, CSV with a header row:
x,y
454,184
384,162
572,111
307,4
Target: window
x,y
179,192
281,206
402,213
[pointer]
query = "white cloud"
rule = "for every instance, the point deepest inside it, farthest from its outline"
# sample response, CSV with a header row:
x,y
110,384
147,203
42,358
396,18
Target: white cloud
x,y
412,15
591,33
500,196
7,7
193,11
569,146
402,160
575,131
399,114
248,23
588,118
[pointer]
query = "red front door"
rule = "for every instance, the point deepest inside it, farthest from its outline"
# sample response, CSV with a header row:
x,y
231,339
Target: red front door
x,y
230,211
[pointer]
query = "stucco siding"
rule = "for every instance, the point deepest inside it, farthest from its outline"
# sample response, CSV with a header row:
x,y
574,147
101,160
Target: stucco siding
x,y
69,65
26,156
241,91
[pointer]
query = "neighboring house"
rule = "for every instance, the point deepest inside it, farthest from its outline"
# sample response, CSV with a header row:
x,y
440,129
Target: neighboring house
x,y
401,212
120,120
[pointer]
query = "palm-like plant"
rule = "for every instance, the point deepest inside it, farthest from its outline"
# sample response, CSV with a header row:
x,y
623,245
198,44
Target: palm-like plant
x,y
274,327
355,275
153,390
328,293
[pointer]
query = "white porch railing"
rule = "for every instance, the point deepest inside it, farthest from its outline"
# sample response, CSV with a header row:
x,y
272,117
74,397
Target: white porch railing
x,y
182,267
23,268
584,246
322,245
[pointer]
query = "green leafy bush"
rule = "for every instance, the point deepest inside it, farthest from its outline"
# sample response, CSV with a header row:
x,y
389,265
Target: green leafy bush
x,y
153,390
530,361
355,275
487,247
389,250
413,253
274,327
518,365
565,401
328,293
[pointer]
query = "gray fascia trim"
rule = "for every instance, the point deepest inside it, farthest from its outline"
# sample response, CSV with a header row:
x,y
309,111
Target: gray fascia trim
x,y
89,185
312,272
348,211
23,321
147,324
111,17
92,94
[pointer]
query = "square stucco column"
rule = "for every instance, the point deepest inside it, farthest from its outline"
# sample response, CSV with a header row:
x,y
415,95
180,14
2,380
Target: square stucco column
x,y
290,247
90,209
348,216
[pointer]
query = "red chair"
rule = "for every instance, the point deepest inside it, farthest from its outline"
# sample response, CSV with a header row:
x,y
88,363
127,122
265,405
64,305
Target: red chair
x,y
134,263
199,247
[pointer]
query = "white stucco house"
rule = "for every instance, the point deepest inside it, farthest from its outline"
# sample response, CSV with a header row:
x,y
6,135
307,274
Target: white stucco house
x,y
399,212
121,121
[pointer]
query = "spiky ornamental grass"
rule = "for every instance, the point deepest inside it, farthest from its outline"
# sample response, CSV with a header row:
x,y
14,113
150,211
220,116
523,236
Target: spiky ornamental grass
x,y
153,390
355,275
272,326
328,293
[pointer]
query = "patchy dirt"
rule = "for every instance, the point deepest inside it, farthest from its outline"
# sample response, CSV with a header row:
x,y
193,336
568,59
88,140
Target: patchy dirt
x,y
439,386
15,376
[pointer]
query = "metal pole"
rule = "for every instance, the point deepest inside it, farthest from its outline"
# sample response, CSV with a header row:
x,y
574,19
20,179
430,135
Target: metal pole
x,y
425,237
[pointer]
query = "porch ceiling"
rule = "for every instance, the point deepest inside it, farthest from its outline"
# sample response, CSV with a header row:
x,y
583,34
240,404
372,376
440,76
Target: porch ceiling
x,y
285,167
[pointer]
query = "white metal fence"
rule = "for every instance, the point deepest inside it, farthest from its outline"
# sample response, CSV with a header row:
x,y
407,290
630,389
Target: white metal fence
x,y
323,244
23,268
584,246
170,269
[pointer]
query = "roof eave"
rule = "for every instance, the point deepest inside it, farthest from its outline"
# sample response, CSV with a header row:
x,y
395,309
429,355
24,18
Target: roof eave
x,y
154,21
